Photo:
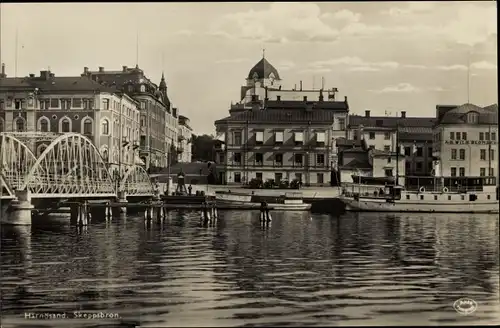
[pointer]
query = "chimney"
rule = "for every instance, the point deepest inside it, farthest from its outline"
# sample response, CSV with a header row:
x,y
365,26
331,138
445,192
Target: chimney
x,y
367,113
85,70
3,71
361,134
32,75
44,75
321,95
174,112
403,114
51,74
300,85
278,98
305,97
101,69
124,68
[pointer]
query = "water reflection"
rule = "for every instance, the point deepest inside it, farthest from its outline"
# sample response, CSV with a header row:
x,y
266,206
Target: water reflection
x,y
357,269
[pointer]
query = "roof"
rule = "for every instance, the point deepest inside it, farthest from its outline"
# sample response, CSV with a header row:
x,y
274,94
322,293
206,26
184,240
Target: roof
x,y
357,164
55,83
343,142
283,116
262,70
391,122
381,153
416,136
354,150
458,115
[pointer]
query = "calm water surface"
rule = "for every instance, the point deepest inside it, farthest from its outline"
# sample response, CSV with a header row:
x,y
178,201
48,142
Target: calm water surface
x,y
364,269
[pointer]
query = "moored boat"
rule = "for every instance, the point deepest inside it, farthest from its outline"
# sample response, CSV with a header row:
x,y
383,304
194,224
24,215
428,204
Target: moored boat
x,y
477,198
287,202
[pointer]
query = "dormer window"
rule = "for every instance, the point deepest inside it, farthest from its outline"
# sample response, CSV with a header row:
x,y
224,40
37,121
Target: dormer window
x,y
472,117
143,88
255,76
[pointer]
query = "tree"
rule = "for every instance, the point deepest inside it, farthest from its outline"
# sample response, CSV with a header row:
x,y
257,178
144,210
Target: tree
x,y
203,148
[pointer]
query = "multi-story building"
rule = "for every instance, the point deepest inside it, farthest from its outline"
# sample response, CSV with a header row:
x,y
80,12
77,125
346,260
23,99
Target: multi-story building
x,y
184,140
465,141
157,117
280,139
48,103
413,135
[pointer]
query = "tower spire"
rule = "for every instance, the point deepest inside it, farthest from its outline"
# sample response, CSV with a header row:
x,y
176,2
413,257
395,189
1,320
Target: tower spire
x,y
137,49
263,52
468,78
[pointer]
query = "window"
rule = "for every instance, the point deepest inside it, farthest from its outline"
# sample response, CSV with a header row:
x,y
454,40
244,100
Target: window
x,y
457,135
44,104
420,151
278,137
143,88
278,159
2,104
482,154
77,102
435,197
449,197
17,103
105,104
237,157
237,138
453,171
407,197
54,103
1,125
464,135
472,117
65,103
481,136
319,177
259,137
389,159
462,171
259,158
388,172
105,127
387,148
143,104
87,126
320,159
492,172
492,154
278,177
482,172
342,124
387,136
419,166
320,138
452,135
298,176
372,135
299,138
258,176
65,125
237,177
462,154
19,125
44,126
453,154
421,197
407,167
407,151
493,136
88,103
298,159
429,151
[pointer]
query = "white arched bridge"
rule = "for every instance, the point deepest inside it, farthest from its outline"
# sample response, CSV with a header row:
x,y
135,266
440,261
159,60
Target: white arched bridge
x,y
66,166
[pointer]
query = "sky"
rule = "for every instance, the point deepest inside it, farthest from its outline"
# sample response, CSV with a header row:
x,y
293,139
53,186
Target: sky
x,y
384,56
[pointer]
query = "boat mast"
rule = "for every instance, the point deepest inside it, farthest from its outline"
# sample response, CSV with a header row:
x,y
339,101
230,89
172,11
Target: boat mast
x,y
397,152
489,154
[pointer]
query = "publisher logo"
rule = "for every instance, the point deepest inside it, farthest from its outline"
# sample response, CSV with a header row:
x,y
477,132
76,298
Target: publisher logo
x,y
465,306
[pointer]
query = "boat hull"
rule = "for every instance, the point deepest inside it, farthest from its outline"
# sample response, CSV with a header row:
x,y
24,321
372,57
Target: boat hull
x,y
402,206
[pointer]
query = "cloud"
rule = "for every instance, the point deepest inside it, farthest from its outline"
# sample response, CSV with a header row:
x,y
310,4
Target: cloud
x,y
233,61
354,63
280,23
345,16
410,8
484,65
450,67
184,33
284,65
399,88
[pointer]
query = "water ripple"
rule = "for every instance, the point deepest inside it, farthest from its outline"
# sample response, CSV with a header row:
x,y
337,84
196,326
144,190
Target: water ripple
x,y
363,269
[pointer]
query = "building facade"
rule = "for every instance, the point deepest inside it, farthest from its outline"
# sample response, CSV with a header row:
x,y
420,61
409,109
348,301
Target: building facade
x,y
48,103
185,136
158,120
412,135
280,139
465,141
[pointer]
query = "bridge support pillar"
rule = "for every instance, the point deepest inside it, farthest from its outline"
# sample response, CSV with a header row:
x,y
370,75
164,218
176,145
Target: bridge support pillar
x,y
21,207
122,199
